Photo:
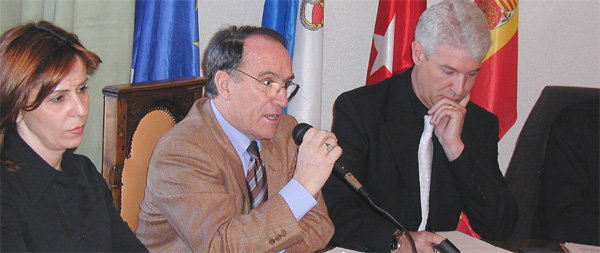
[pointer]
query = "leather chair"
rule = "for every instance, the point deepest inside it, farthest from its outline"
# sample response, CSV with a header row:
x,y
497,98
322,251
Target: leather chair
x,y
135,117
523,175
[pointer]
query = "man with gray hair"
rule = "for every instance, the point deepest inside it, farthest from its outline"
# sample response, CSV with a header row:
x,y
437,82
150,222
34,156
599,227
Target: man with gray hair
x,y
421,149
229,177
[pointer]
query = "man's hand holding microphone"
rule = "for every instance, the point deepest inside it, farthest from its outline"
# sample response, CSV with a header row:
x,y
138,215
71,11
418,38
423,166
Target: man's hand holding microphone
x,y
316,156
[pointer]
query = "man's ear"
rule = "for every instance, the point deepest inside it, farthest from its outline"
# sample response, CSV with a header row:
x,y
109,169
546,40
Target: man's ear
x,y
222,81
418,54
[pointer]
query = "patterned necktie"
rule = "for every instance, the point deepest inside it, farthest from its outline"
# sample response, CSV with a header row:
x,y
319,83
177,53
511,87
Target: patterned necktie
x,y
425,157
256,177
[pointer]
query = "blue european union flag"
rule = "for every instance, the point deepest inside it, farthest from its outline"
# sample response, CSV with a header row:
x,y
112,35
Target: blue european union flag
x,y
163,43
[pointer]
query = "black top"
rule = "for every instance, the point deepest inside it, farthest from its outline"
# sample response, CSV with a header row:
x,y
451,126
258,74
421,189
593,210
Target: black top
x,y
44,209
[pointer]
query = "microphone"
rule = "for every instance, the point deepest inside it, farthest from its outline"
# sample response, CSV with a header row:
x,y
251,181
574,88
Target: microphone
x,y
340,171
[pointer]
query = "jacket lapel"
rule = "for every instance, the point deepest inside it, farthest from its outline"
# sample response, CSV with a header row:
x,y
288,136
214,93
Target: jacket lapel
x,y
221,143
277,156
273,166
400,129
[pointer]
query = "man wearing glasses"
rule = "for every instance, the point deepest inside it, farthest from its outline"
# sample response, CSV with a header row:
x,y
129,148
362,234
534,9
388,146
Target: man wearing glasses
x,y
229,178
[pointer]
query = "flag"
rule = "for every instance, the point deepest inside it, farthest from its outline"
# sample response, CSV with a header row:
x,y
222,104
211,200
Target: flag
x,y
165,41
392,38
496,85
301,23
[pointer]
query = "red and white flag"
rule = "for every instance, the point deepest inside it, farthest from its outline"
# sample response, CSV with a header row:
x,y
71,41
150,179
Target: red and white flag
x,y
393,34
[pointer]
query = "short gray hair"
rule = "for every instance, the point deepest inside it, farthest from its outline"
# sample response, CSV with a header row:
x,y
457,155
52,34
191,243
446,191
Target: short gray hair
x,y
454,24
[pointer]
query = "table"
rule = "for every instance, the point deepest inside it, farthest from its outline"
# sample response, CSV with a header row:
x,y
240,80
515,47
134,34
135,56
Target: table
x,y
528,245
468,244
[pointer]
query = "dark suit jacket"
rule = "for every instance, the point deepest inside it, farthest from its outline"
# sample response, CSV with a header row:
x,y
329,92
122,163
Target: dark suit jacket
x,y
196,198
379,130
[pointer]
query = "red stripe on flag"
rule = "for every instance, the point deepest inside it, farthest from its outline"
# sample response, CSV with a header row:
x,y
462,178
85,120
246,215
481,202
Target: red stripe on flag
x,y
496,86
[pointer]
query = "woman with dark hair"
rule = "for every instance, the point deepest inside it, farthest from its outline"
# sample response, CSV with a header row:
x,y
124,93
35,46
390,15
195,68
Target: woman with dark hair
x,y
52,199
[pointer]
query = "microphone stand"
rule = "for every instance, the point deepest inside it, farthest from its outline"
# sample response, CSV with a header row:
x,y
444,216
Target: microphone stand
x,y
363,193
445,246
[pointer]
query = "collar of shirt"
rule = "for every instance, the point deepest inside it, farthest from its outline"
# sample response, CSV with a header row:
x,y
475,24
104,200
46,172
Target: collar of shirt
x,y
419,108
239,140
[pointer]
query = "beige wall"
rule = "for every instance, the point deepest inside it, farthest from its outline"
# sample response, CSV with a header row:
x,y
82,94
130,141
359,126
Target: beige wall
x,y
559,44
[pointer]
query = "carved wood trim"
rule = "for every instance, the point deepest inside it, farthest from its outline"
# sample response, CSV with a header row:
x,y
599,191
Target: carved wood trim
x,y
124,107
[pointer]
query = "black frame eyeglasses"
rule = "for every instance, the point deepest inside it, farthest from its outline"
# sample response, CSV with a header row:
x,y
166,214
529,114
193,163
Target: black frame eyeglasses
x,y
272,88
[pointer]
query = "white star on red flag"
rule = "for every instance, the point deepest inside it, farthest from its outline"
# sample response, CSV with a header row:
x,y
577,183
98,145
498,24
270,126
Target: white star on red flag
x,y
393,35
384,44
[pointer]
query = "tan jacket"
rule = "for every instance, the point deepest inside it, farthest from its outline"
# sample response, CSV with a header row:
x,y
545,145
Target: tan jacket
x,y
196,197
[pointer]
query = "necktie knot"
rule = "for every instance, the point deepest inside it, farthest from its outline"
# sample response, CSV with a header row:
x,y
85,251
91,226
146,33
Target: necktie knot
x,y
427,127
253,149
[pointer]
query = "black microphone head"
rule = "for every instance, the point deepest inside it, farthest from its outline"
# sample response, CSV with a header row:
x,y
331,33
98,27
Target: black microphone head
x,y
299,131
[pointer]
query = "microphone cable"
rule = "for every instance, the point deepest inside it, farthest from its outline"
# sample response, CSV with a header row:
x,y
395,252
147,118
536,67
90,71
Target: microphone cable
x,y
363,193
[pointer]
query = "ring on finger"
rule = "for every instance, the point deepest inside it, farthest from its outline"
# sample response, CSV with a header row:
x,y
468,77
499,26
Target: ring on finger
x,y
450,107
328,147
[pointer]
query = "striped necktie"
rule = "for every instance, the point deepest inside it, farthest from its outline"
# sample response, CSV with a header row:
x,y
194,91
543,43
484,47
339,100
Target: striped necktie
x,y
256,177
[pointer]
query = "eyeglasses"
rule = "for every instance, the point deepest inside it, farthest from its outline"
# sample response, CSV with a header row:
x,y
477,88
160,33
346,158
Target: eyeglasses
x,y
272,88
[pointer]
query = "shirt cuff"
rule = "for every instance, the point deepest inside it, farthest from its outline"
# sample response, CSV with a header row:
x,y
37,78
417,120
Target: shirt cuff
x,y
298,198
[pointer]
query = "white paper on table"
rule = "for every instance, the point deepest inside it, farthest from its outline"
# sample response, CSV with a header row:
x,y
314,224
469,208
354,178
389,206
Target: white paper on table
x,y
341,250
581,248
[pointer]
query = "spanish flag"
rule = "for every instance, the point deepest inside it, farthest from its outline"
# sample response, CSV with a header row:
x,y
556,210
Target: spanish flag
x,y
496,86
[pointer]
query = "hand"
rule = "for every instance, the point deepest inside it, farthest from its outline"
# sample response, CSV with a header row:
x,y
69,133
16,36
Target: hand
x,y
315,162
448,118
424,241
